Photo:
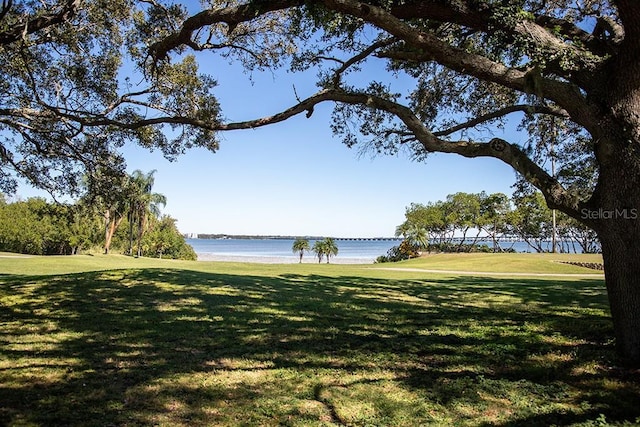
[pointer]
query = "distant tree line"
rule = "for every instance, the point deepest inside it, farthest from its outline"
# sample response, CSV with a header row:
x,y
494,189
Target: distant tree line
x,y
129,221
466,222
253,236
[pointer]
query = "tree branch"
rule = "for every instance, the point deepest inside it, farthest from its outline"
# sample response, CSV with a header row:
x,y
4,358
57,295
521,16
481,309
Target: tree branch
x,y
561,93
606,24
551,37
477,15
460,12
530,109
510,154
17,31
428,47
595,41
359,57
424,46
232,16
6,7
629,12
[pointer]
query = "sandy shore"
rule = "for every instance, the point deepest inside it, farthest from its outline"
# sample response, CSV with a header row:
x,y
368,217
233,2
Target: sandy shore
x,y
280,260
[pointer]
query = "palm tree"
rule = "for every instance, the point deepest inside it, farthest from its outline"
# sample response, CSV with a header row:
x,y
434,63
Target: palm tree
x,y
143,203
417,237
318,249
300,246
134,193
330,248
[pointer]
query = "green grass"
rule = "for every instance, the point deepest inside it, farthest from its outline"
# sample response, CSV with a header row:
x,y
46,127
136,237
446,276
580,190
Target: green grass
x,y
101,341
505,263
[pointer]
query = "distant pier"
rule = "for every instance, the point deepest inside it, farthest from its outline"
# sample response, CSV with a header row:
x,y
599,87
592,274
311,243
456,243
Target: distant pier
x,y
480,239
258,237
370,239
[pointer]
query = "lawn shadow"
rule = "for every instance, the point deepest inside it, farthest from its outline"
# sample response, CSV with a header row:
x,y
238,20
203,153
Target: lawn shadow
x,y
125,346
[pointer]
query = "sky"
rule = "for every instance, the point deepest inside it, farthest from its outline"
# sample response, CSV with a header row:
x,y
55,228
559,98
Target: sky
x,y
296,178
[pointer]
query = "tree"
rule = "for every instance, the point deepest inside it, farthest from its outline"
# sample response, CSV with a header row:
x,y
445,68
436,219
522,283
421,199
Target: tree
x,y
165,241
66,110
528,220
142,204
318,248
36,227
465,208
531,221
433,218
568,69
494,209
330,248
23,227
441,221
325,248
577,232
108,193
300,245
414,235
84,224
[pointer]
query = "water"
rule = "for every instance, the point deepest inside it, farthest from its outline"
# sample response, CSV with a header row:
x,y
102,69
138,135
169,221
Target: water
x,y
279,250
348,250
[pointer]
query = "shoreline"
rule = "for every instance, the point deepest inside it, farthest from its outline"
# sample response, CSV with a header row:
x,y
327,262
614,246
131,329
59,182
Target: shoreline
x,y
279,259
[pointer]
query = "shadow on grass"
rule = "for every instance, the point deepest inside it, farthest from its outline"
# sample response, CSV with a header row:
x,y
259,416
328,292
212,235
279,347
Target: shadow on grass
x,y
144,347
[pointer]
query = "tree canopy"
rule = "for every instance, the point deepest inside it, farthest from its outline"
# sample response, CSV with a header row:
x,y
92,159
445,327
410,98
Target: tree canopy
x,y
473,64
74,91
446,225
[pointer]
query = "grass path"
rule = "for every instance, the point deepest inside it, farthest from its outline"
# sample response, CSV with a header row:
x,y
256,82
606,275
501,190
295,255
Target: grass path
x,y
502,263
505,274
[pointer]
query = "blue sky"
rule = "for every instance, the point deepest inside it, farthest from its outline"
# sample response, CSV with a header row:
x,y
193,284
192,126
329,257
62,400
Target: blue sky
x,y
296,178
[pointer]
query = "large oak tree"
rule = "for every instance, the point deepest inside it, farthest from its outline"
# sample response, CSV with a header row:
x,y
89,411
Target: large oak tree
x,y
570,71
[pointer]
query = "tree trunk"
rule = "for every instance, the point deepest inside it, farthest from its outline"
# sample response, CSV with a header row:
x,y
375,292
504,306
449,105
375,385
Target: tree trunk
x,y
110,229
107,238
462,239
142,224
131,220
614,213
621,254
614,209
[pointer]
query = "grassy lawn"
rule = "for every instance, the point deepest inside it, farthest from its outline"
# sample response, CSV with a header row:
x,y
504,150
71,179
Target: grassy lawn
x,y
102,341
505,263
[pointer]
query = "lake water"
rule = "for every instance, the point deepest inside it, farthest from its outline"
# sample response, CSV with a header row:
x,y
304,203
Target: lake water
x,y
279,250
353,251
